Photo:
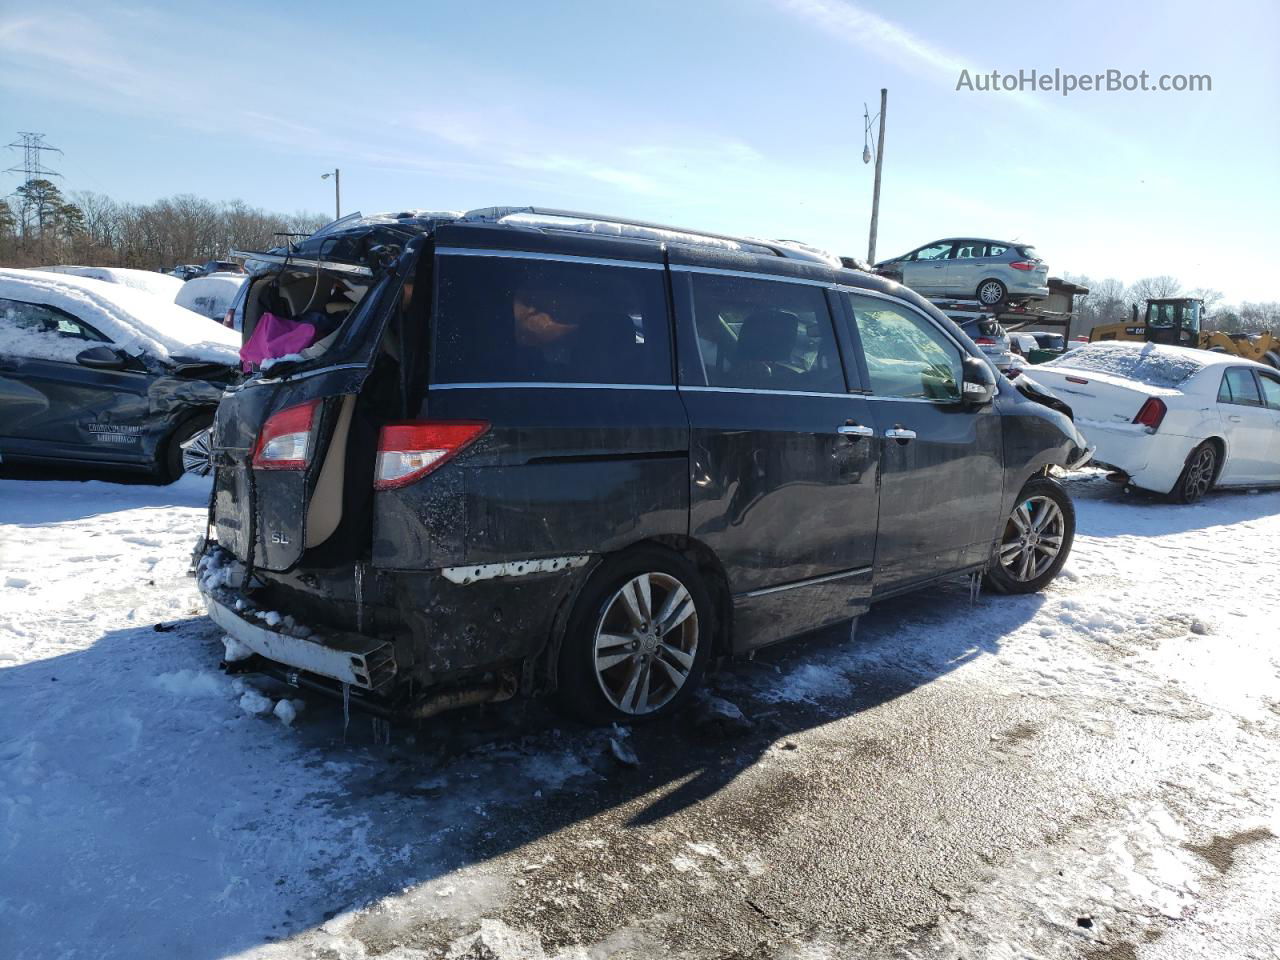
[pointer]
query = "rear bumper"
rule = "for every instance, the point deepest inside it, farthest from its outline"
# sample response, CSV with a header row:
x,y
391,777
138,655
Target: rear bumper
x,y
1152,461
363,662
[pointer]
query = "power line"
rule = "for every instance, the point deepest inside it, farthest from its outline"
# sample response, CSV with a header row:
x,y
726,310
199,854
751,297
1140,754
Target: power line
x,y
31,145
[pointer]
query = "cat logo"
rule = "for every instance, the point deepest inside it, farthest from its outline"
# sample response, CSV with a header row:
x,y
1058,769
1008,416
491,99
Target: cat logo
x,y
280,538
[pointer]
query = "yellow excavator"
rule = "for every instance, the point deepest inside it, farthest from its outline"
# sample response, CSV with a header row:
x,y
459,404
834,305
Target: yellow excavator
x,y
1176,320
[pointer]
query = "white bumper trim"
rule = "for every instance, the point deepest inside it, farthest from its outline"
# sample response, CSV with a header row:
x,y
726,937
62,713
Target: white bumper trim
x,y
361,662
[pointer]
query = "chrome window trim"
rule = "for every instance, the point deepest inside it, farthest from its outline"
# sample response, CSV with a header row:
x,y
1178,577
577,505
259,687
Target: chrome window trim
x,y
751,275
554,257
768,393
546,385
828,578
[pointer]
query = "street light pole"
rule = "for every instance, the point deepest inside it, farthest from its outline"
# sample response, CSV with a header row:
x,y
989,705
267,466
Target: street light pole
x,y
875,196
337,191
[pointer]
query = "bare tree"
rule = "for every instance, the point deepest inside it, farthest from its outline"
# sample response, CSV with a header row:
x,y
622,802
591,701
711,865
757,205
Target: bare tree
x,y
1154,288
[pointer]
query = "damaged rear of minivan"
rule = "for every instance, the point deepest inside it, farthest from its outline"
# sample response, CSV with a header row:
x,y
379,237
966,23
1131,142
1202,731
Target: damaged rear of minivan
x,y
332,565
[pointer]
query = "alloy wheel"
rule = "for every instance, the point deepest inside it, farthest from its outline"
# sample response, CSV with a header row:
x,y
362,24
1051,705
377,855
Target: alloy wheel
x,y
646,643
197,453
1200,473
990,292
1032,538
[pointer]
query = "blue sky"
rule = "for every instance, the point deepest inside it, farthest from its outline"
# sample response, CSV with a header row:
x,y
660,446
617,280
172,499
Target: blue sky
x,y
734,115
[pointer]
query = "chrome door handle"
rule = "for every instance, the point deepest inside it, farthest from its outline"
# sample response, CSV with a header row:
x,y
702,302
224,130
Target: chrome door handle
x,y
855,430
899,433
1234,419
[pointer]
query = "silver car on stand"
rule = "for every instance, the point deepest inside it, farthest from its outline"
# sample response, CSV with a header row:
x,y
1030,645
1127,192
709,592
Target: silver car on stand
x,y
990,271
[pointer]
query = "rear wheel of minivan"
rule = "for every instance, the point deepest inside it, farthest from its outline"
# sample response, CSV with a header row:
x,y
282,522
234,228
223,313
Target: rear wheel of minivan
x,y
1035,540
638,640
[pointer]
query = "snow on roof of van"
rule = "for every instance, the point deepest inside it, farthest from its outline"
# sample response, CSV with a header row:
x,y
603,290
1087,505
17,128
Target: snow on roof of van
x,y
136,322
159,284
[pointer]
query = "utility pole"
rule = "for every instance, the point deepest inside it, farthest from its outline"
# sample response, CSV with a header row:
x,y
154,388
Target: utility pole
x,y
31,168
31,144
337,192
875,196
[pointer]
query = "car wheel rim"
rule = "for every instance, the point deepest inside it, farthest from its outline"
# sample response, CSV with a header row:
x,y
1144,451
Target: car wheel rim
x,y
197,454
989,293
646,643
1200,474
1032,538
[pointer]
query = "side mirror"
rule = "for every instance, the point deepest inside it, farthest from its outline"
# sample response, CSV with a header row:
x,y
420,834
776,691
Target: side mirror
x,y
100,358
979,385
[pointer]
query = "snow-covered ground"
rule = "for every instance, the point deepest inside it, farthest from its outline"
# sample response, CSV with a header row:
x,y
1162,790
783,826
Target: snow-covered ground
x,y
1090,769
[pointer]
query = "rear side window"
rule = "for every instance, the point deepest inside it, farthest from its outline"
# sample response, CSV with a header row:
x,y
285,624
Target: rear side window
x,y
763,335
1270,390
1238,386
970,250
907,356
997,250
530,320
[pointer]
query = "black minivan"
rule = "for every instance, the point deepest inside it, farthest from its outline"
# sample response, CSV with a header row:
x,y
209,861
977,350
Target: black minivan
x,y
552,452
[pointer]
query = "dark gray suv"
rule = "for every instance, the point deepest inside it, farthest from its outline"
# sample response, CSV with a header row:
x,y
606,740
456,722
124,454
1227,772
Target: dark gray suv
x,y
538,458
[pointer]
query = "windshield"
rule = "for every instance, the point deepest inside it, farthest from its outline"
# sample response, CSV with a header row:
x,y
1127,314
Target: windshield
x,y
1145,363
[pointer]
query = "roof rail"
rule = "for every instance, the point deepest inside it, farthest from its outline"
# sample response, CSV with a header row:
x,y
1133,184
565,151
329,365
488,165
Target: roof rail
x,y
574,221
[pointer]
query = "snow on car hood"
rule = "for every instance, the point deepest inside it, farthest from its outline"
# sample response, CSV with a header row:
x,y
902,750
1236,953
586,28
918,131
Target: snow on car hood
x,y
136,322
149,281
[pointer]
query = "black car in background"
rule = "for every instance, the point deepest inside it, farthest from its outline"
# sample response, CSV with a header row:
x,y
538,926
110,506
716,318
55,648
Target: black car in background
x,y
538,458
97,374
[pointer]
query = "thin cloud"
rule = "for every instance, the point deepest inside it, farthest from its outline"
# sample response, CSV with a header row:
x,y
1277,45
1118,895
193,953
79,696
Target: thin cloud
x,y
853,24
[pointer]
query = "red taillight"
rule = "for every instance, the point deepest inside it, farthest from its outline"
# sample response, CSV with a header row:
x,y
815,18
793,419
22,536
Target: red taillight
x,y
985,342
1023,265
284,443
1152,413
407,452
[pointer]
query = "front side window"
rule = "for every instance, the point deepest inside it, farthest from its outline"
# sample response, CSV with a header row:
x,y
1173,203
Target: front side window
x,y
38,332
907,356
1239,387
939,251
1270,390
763,335
529,320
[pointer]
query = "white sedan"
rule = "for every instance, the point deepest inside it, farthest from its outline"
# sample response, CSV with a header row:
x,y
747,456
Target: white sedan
x,y
1172,419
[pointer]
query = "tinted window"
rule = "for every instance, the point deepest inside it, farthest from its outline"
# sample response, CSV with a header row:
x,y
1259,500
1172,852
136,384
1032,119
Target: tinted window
x,y
763,335
1270,390
907,356
1238,386
43,333
530,320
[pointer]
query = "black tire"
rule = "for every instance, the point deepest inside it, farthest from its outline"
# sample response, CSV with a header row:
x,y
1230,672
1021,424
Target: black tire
x,y
602,609
991,292
1198,475
169,462
1009,571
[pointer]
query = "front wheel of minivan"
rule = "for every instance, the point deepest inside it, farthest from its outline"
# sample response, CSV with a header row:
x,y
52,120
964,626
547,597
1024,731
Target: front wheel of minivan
x,y
1035,540
638,641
